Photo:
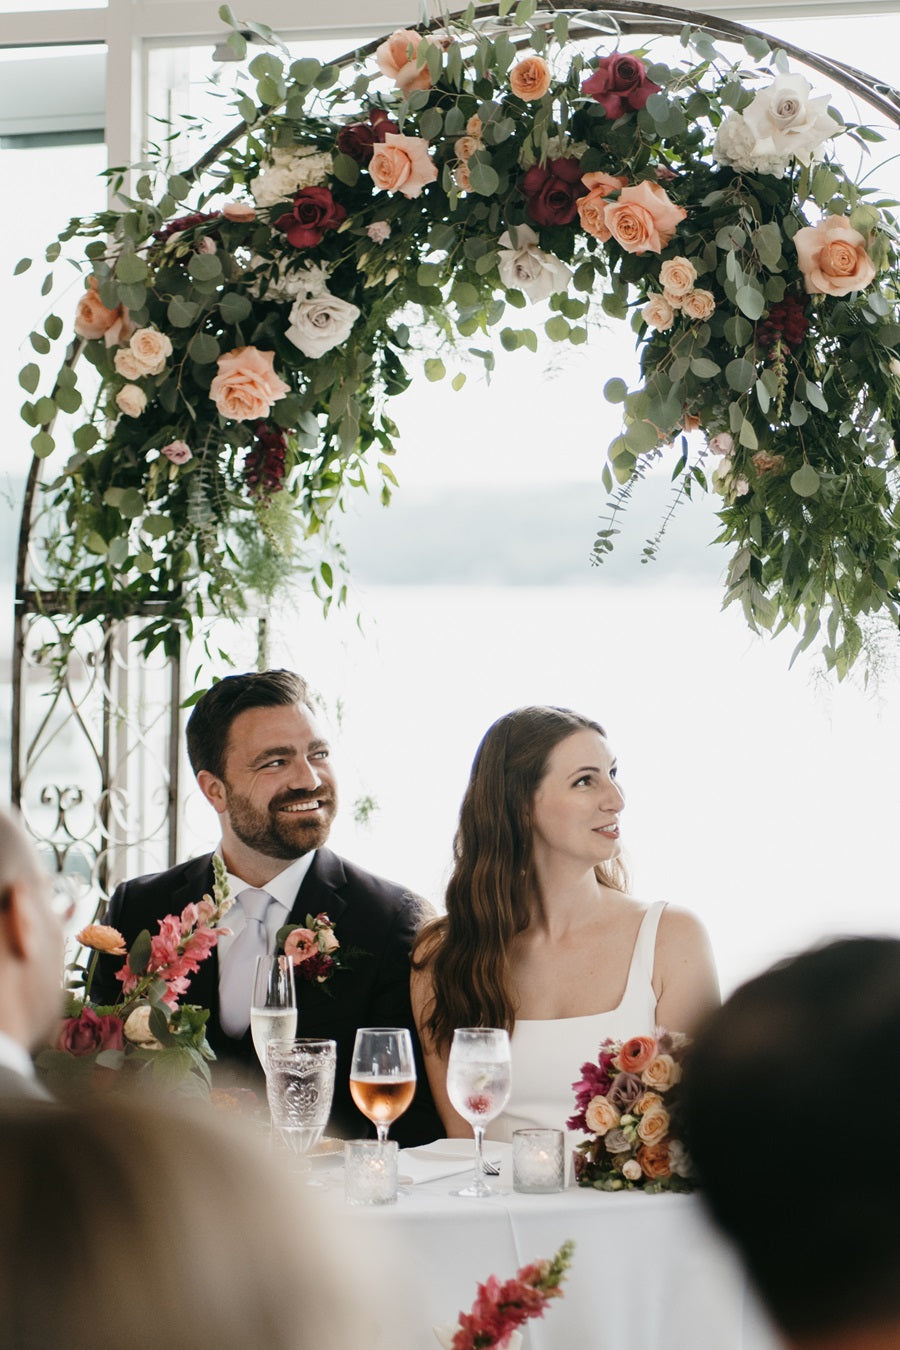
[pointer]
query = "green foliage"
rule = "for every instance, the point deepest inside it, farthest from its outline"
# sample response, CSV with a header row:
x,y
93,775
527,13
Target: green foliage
x,y
340,297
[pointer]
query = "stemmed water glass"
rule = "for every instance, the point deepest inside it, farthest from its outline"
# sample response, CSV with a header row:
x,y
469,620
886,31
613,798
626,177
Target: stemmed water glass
x,y
300,1086
478,1084
383,1075
273,1005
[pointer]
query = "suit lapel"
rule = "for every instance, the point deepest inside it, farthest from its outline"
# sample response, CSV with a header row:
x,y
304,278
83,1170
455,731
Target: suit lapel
x,y
320,890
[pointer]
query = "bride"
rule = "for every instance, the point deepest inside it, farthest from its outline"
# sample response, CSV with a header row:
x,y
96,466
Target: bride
x,y
540,936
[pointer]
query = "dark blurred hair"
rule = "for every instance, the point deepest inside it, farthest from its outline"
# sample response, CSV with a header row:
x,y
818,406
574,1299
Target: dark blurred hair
x,y
792,1098
210,722
488,895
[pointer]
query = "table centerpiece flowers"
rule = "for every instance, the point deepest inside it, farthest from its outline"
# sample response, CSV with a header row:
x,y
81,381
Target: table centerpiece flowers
x,y
147,1033
627,1102
500,1309
249,318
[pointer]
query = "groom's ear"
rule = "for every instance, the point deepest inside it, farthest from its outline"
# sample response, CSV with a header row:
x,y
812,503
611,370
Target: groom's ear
x,y
213,790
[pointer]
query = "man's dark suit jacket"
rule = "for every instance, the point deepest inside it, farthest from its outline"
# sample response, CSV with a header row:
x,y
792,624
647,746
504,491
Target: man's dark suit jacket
x,y
368,913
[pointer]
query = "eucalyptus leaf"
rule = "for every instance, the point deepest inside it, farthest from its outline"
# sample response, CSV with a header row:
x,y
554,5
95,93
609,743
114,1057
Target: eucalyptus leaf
x,y
805,481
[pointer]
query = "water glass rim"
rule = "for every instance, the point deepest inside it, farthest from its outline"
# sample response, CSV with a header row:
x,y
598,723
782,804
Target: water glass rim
x,y
302,1045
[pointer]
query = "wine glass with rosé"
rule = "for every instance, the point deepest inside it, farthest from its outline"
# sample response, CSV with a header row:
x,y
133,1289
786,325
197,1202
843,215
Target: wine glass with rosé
x,y
478,1085
383,1075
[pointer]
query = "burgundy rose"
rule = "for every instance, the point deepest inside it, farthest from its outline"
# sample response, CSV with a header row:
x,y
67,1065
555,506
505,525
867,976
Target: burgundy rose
x,y
551,191
185,223
87,1033
264,465
360,138
620,84
314,212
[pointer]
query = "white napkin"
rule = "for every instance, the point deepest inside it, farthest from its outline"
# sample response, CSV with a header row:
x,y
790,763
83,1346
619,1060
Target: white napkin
x,y
445,1158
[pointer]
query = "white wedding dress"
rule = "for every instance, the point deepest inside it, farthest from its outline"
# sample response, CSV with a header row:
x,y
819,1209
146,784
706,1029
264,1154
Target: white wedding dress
x,y
547,1055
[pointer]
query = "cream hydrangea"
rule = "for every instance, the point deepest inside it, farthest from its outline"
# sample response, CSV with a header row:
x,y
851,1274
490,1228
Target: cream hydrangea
x,y
289,171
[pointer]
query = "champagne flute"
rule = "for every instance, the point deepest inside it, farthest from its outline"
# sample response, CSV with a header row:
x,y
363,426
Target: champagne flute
x,y
300,1086
383,1075
273,1005
478,1084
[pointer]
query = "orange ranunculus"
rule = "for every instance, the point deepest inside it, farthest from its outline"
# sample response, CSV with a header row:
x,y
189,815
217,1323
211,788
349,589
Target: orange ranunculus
x,y
100,937
530,79
94,320
644,218
832,257
592,208
246,385
635,1054
402,164
654,1160
396,59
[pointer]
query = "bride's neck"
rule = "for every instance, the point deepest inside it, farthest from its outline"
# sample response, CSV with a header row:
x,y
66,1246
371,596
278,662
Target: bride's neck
x,y
565,899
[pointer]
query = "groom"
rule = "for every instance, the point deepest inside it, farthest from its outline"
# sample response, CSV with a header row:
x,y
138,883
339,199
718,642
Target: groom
x,y
263,764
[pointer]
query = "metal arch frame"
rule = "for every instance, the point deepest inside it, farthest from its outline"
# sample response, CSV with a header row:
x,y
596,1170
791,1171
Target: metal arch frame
x,y
108,658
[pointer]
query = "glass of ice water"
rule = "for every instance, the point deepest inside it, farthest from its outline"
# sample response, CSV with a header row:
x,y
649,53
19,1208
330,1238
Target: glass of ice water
x,y
478,1083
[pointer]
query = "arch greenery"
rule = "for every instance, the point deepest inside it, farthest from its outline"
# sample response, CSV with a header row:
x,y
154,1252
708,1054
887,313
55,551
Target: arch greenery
x,y
247,321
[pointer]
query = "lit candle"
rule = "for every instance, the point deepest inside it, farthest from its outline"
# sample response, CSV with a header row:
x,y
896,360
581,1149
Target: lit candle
x,y
538,1161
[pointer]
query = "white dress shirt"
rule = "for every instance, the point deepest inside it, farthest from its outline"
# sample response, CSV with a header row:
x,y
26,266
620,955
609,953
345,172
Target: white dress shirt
x,y
283,889
13,1055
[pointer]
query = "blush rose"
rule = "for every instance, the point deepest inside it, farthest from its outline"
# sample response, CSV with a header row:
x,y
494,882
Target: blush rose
x,y
832,257
131,400
246,385
402,164
397,59
592,208
644,219
93,319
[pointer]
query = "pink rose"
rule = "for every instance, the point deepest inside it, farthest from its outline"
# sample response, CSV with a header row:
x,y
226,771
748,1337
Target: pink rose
x,y
94,320
832,257
378,231
721,444
396,59
644,218
179,452
592,208
246,385
240,212
300,945
314,212
402,164
619,84
87,1033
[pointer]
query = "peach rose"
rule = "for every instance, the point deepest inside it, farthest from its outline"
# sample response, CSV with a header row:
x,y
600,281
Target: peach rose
x,y
699,304
592,208
763,462
530,79
474,126
396,59
402,164
654,1160
150,349
131,400
246,385
635,1054
466,146
94,320
644,218
832,257
677,276
661,1073
127,365
647,1102
654,1125
242,212
601,1115
658,312
461,177
100,937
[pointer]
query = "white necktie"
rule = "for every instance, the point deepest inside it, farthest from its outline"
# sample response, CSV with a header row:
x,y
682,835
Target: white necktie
x,y
239,963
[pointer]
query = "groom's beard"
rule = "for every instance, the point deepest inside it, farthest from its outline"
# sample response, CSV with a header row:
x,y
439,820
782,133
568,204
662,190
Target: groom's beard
x,y
277,832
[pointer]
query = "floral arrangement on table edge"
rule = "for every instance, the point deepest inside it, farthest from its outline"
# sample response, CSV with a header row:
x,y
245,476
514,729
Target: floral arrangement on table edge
x,y
500,1308
315,950
146,1031
249,320
628,1101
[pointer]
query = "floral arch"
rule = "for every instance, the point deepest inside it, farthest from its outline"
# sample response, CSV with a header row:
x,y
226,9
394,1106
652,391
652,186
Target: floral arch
x,y
245,322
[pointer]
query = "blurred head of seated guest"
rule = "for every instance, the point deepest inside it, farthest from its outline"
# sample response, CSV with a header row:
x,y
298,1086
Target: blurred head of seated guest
x,y
128,1224
792,1100
31,960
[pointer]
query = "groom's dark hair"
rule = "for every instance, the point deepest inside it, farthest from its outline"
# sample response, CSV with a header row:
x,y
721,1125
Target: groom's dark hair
x,y
210,722
792,1100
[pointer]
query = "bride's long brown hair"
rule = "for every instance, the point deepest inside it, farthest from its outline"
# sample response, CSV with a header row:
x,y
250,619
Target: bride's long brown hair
x,y
488,895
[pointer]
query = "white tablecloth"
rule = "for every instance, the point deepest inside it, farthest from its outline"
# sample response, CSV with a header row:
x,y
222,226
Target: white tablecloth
x,y
648,1272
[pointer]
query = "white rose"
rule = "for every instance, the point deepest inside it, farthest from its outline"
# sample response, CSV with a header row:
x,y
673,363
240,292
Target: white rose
x,y
319,323
137,1029
785,117
131,400
127,364
525,267
737,147
631,1170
